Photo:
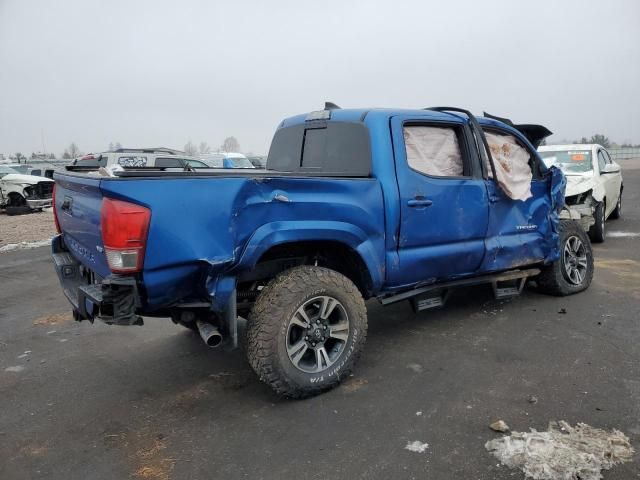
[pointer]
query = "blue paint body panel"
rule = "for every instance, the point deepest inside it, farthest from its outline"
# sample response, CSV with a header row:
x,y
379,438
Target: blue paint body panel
x,y
207,230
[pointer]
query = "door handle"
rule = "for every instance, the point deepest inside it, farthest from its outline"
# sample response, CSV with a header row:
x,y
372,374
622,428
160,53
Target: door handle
x,y
419,202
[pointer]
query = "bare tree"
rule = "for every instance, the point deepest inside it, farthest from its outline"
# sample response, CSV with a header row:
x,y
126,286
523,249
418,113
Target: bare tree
x,y
20,157
230,144
52,156
73,150
117,146
204,148
190,149
110,147
600,139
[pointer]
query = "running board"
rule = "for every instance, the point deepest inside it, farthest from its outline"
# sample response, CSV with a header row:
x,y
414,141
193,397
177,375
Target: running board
x,y
505,285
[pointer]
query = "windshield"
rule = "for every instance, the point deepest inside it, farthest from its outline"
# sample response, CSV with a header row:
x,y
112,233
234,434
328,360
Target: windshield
x,y
4,170
569,160
239,162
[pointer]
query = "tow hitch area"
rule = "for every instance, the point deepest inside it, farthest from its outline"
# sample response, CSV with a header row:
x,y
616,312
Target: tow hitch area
x,y
113,299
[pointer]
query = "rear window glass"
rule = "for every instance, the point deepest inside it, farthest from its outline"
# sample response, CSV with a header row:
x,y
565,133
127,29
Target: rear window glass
x,y
331,147
92,161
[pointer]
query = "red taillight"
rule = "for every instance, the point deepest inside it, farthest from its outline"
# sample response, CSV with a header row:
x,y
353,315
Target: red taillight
x,y
55,213
124,234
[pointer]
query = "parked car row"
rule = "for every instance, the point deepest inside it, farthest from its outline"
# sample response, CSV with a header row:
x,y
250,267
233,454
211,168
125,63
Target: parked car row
x,y
21,192
166,158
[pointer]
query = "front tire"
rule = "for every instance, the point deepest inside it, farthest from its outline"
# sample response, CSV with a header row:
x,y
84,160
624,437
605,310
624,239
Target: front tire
x,y
306,331
597,232
573,271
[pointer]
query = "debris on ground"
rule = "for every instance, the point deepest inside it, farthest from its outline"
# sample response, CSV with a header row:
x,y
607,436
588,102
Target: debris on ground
x,y
499,426
415,367
532,399
26,231
562,452
17,368
417,446
562,311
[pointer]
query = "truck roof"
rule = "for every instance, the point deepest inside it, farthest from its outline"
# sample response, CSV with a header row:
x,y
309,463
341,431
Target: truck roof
x,y
533,133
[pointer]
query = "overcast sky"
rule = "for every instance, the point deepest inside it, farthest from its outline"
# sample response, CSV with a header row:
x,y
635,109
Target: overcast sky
x,y
149,73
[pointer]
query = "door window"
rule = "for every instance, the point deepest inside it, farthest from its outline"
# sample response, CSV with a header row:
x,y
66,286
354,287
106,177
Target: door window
x,y
433,151
169,162
601,160
512,161
196,164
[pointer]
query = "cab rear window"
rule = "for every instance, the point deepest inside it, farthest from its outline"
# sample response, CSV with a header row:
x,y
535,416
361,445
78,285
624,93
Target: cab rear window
x,y
332,148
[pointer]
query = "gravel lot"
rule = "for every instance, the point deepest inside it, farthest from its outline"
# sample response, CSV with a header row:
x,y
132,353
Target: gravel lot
x,y
33,227
83,401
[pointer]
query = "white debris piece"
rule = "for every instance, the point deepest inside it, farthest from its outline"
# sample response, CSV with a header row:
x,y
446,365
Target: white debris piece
x,y
499,426
417,446
415,367
17,368
562,452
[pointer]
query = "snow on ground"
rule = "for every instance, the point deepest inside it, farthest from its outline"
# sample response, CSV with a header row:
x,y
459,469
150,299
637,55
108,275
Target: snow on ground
x,y
26,231
562,452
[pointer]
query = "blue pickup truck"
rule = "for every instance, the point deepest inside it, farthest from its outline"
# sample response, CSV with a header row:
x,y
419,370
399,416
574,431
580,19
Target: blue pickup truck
x,y
353,204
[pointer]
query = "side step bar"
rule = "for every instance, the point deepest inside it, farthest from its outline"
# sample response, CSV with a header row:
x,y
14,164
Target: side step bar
x,y
505,285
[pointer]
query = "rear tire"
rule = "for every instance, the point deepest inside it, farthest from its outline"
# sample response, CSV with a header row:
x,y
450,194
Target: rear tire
x,y
306,331
597,230
617,213
573,271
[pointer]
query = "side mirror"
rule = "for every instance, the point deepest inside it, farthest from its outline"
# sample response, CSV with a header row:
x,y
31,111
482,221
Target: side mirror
x,y
610,168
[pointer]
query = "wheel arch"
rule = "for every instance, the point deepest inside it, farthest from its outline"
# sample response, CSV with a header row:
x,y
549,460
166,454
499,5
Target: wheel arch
x,y
337,245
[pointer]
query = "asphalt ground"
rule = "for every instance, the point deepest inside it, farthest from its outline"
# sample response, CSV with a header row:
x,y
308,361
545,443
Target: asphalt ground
x,y
82,401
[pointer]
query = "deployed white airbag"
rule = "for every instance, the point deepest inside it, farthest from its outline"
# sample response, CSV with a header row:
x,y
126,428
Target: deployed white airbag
x,y
512,165
433,150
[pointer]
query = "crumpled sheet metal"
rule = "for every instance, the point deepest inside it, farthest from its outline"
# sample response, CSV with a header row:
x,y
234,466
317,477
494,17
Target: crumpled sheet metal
x,y
562,452
577,184
511,161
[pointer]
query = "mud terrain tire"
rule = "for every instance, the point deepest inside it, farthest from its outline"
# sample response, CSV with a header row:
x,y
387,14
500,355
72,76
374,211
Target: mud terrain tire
x,y
575,254
306,309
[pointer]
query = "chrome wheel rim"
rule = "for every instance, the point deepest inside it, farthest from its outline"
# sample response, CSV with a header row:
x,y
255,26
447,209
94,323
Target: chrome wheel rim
x,y
317,334
574,260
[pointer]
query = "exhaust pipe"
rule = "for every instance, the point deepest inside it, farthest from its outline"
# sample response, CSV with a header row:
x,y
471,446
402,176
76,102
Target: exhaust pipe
x,y
209,333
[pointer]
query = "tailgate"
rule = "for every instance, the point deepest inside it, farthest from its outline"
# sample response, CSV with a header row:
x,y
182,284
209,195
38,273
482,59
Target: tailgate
x,y
78,203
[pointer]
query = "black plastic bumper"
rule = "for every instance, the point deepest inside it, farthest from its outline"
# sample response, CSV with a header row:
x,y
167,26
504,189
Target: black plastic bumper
x,y
113,299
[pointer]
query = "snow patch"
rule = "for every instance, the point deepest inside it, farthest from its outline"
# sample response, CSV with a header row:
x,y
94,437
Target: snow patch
x,y
417,446
616,234
25,245
562,452
17,368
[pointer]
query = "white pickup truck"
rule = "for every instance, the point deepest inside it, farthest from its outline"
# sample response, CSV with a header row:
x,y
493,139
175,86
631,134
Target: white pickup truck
x,y
20,193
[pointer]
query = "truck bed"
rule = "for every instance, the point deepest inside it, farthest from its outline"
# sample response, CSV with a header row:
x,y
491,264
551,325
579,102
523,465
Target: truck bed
x,y
206,223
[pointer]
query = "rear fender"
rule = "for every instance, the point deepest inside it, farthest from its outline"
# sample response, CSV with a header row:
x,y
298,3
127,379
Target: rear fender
x,y
277,233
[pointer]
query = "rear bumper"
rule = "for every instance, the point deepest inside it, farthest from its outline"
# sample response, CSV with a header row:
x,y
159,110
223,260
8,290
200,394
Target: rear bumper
x,y
39,203
113,299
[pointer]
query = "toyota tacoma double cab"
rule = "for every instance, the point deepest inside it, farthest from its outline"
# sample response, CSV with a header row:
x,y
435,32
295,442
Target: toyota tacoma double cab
x,y
354,204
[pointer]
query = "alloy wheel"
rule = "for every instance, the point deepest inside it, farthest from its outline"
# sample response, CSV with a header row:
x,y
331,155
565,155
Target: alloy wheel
x,y
317,334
